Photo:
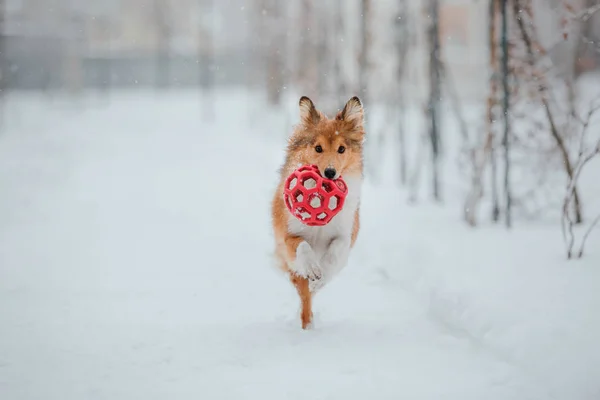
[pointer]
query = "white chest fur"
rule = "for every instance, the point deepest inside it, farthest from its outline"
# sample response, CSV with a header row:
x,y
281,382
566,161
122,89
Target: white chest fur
x,y
340,227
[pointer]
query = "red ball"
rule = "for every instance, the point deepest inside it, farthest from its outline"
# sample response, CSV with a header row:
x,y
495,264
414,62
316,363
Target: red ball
x,y
313,199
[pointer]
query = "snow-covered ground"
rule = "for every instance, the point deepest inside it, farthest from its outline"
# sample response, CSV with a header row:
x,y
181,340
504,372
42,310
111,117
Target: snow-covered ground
x,y
135,262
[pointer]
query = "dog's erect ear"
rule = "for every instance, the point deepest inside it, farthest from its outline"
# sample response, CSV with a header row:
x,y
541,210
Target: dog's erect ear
x,y
353,112
308,113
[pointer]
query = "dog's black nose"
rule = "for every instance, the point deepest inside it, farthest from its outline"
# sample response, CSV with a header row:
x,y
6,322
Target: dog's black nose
x,y
329,173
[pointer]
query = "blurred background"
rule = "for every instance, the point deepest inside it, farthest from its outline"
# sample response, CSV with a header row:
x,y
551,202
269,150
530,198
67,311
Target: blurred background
x,y
62,45
422,68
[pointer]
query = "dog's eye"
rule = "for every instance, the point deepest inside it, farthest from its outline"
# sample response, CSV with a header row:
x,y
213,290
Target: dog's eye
x,y
319,149
341,149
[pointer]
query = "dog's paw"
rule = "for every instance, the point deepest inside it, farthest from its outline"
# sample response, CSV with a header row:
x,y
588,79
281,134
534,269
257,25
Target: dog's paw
x,y
307,265
314,285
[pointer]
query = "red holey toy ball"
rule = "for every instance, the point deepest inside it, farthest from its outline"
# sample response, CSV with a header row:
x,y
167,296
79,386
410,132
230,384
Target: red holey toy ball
x,y
313,199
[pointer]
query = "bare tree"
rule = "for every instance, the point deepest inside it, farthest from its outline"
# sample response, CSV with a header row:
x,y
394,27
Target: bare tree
x,y
433,108
492,104
479,156
542,133
363,56
403,41
3,61
275,49
584,156
522,9
505,111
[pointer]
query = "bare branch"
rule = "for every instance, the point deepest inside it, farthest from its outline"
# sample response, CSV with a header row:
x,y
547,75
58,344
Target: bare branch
x,y
566,221
594,107
587,13
586,235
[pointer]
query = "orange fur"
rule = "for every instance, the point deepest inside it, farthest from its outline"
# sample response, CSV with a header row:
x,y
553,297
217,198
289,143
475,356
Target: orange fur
x,y
316,129
305,298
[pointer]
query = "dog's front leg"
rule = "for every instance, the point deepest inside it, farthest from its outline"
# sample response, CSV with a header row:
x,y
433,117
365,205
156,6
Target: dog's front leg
x,y
304,268
302,259
334,259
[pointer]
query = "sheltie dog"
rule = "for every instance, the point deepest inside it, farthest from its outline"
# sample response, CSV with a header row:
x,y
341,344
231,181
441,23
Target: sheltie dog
x,y
313,255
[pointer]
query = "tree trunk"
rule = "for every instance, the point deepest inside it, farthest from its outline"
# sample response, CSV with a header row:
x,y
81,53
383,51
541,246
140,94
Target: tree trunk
x,y
275,51
402,45
434,94
363,59
505,109
4,73
492,105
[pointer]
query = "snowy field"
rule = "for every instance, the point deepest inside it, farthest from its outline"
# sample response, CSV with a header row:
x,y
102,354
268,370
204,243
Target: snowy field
x,y
136,263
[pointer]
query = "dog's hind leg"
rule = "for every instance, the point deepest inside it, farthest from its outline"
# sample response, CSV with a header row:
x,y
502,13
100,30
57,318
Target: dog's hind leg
x,y
306,314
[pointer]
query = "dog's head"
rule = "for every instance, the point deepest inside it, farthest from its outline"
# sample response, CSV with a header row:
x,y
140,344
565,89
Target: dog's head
x,y
335,145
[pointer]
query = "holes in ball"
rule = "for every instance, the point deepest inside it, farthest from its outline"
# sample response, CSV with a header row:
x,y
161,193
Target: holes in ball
x,y
300,211
309,183
298,195
293,183
322,216
315,200
288,199
333,202
327,187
